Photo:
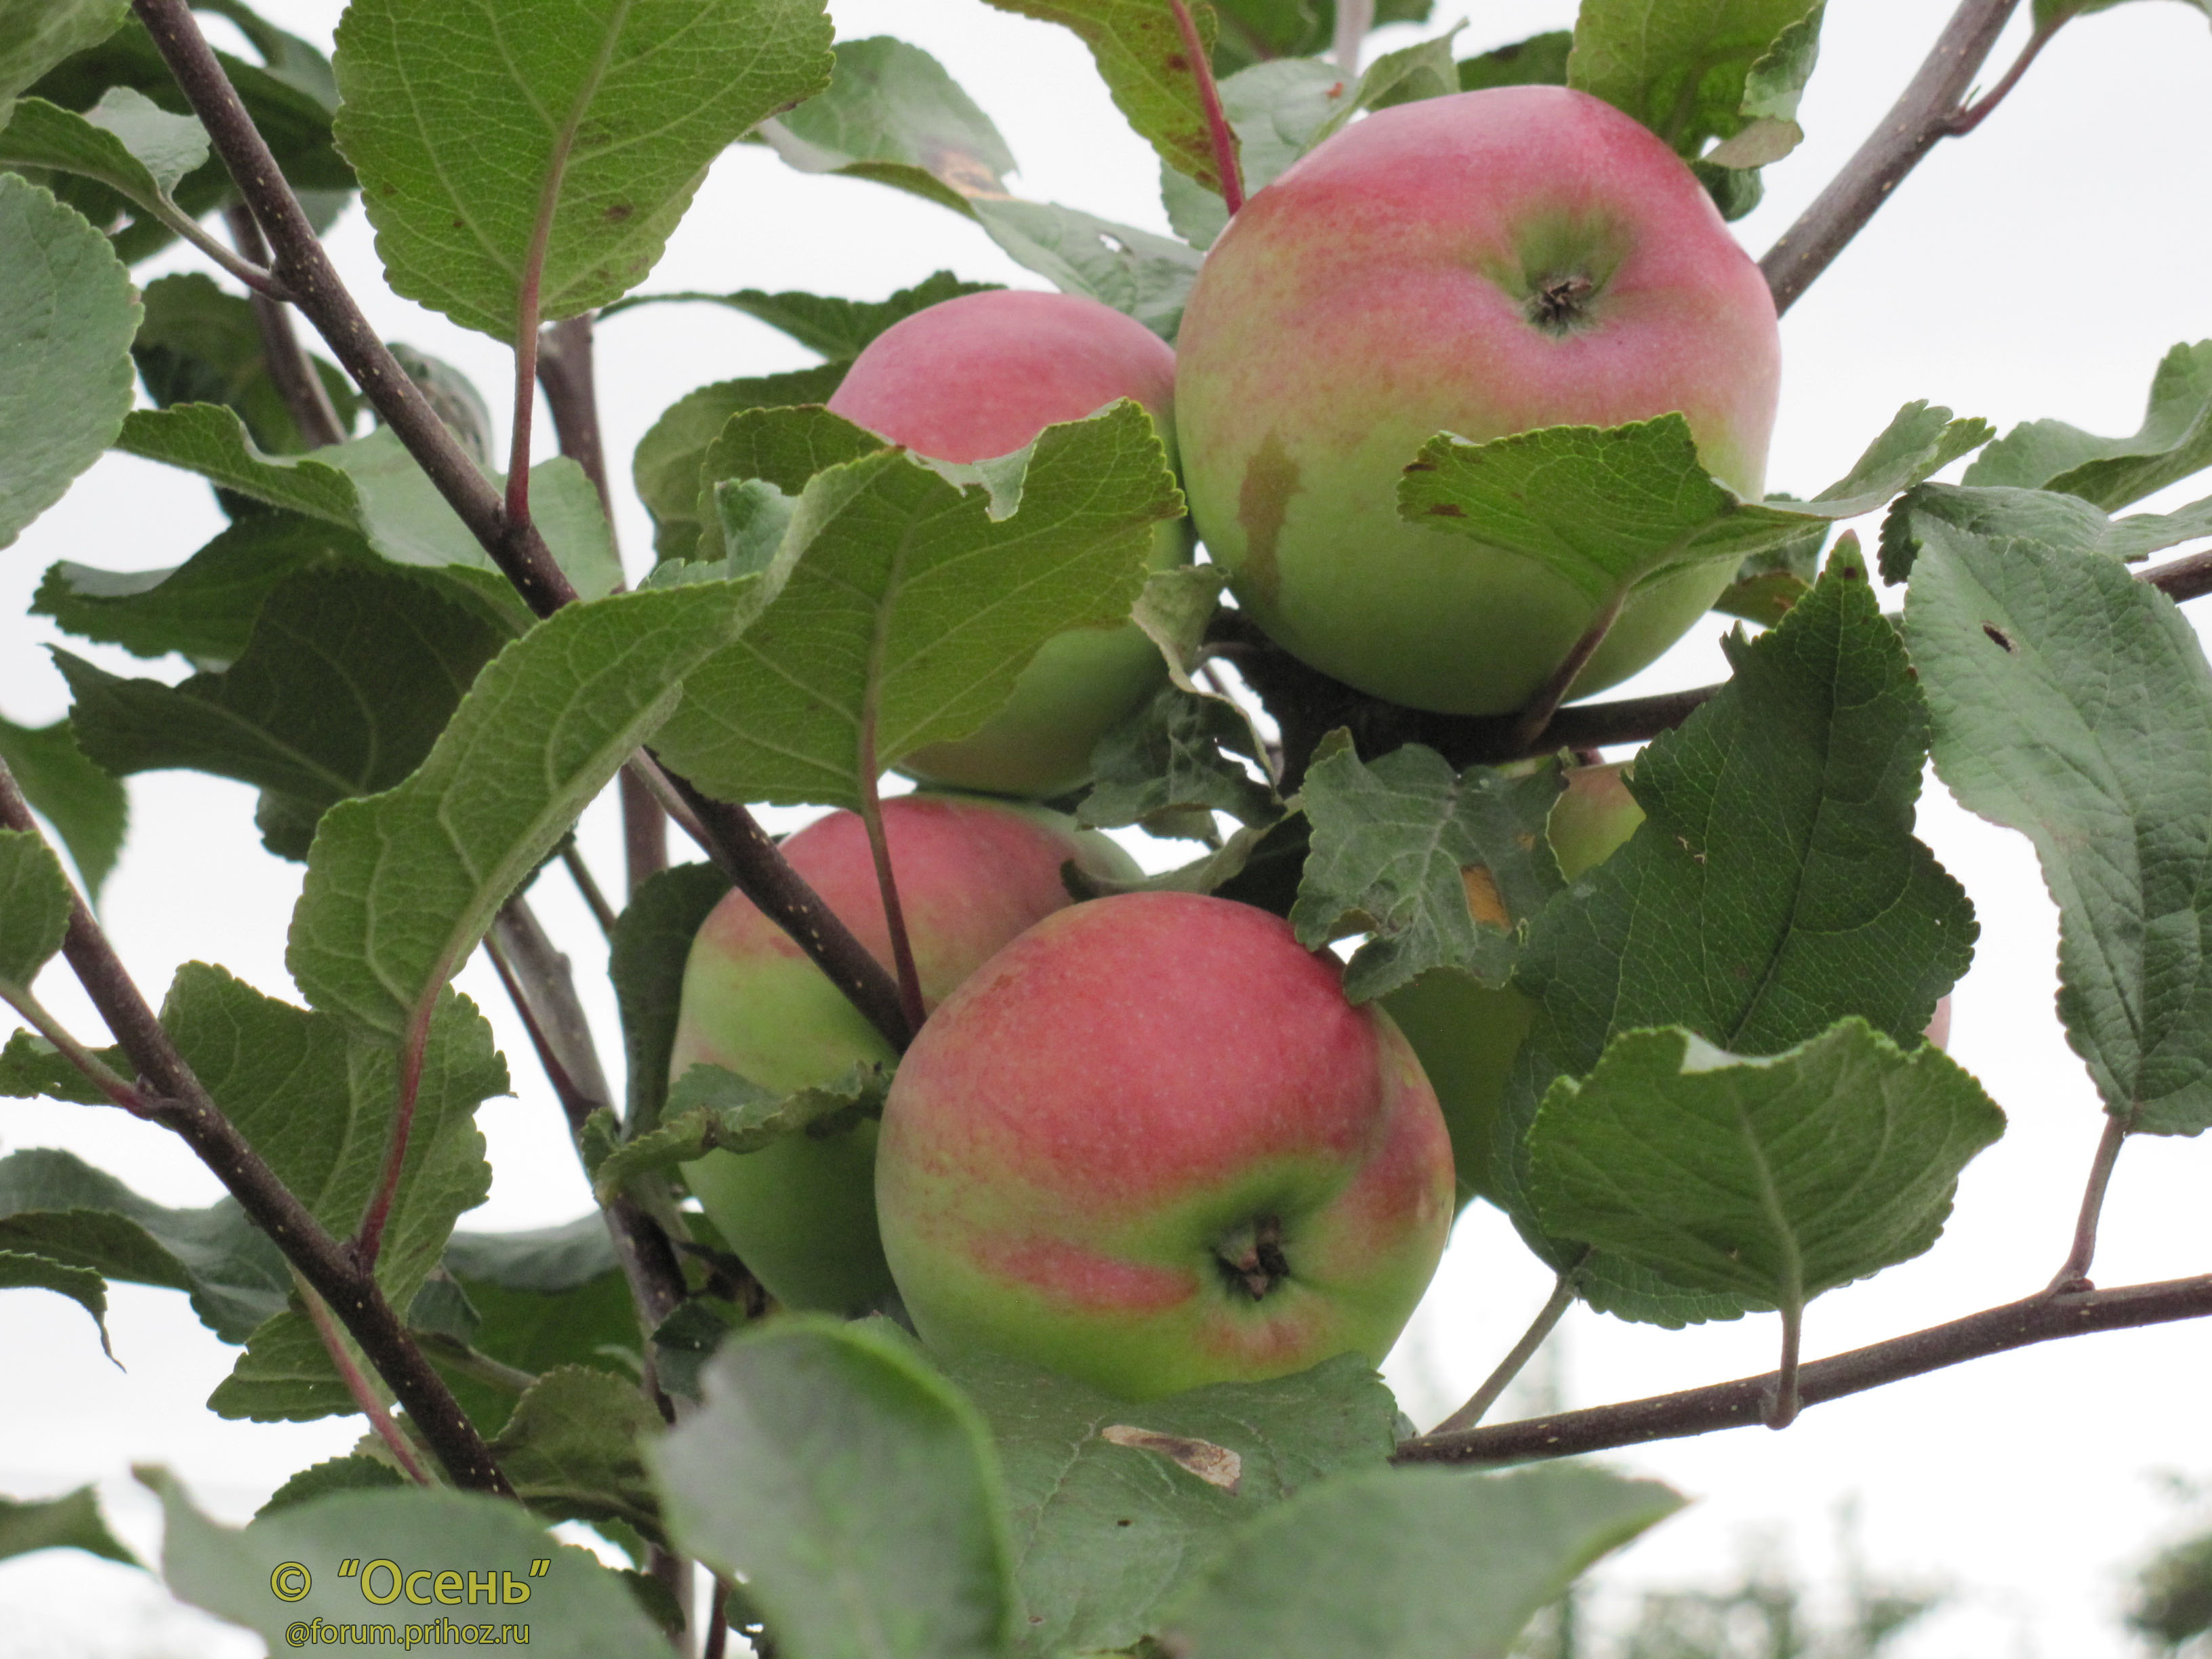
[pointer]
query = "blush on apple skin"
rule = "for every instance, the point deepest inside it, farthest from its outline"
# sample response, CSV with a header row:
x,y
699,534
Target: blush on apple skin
x,y
1094,1143
1386,287
972,874
979,376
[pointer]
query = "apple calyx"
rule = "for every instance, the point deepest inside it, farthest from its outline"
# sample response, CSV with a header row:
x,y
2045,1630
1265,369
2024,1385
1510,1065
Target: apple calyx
x,y
1252,1258
1561,302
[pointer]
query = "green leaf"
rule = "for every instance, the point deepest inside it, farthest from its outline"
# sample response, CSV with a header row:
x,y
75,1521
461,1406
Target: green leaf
x,y
2048,12
838,329
34,908
1768,1181
1719,70
37,34
575,1607
88,808
543,1298
711,1108
1172,765
493,153
32,1068
1436,868
125,142
454,398
22,1272
332,1475
892,114
2073,704
1767,584
350,673
199,344
782,448
1606,508
1417,1564
646,956
572,1449
1279,109
373,485
901,607
402,885
1113,1505
70,1523
54,1204
318,1105
853,1489
2174,440
285,1376
211,440
1256,30
67,314
1774,887
1140,54
1145,275
665,468
1538,61
205,608
2035,515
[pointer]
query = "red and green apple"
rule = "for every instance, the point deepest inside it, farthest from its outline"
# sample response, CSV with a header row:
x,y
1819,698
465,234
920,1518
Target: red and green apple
x,y
1151,1146
972,874
1482,264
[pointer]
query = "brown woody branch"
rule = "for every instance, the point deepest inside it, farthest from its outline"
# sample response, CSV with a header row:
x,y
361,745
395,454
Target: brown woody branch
x,y
177,1100
2044,1317
1928,109
290,369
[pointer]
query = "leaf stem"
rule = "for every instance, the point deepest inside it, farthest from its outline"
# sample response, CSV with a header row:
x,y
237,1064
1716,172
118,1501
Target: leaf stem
x,y
909,981
1218,130
1562,1298
1967,119
1353,19
364,1397
1529,726
459,1356
290,369
2043,1317
1784,1401
718,1621
1923,113
97,1070
2073,1273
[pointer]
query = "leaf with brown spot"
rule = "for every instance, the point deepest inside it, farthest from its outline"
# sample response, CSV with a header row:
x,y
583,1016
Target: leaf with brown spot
x,y
1217,1465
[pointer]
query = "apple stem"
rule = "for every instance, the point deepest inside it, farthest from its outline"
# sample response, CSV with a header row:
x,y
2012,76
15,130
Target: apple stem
x,y
871,815
1209,98
1536,715
2074,1273
1562,1298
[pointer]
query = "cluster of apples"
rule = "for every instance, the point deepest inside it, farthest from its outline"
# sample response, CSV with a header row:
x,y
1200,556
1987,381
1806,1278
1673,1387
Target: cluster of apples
x,y
1145,1140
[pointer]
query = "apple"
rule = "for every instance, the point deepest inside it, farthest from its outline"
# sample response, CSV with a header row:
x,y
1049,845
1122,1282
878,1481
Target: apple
x,y
971,874
1466,1033
1483,263
1151,1146
979,376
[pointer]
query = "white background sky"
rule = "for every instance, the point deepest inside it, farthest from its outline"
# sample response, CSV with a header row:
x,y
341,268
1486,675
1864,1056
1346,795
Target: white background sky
x,y
2040,268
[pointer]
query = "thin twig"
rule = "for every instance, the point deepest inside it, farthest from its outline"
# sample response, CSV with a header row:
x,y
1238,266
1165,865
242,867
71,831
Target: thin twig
x,y
539,983
290,369
1353,19
587,886
177,1100
2183,579
2073,1273
1218,130
364,1397
718,1621
645,833
2043,1317
1922,115
256,279
1561,1299
305,268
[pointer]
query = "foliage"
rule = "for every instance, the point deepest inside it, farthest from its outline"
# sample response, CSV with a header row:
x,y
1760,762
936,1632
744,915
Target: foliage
x,y
428,670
